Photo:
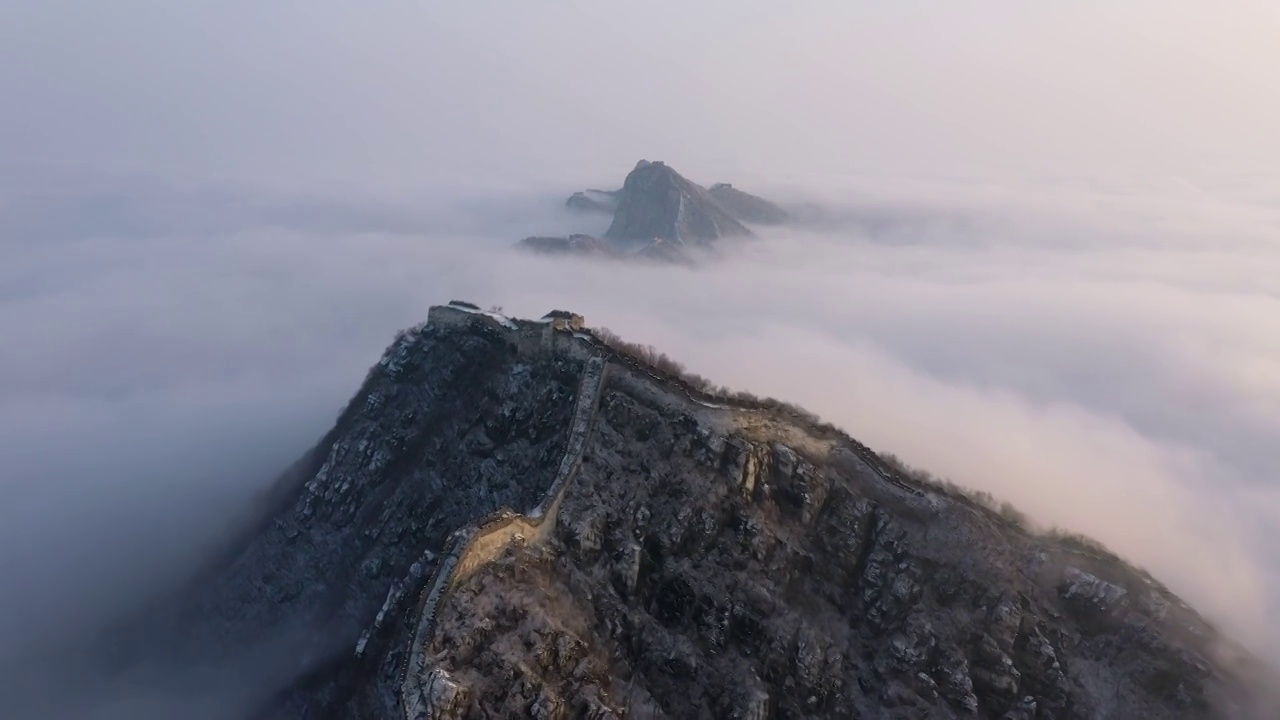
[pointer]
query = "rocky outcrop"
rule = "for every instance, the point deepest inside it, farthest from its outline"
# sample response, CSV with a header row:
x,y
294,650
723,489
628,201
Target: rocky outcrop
x,y
442,698
578,244
1089,594
594,201
661,216
747,207
658,202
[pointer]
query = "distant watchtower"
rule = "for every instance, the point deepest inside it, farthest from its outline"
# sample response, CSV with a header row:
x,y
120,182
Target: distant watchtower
x,y
564,320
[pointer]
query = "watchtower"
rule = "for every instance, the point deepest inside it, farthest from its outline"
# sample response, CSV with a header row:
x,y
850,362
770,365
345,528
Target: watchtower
x,y
564,320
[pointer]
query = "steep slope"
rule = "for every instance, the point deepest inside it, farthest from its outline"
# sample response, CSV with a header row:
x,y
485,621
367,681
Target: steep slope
x,y
658,202
456,421
747,207
517,519
702,568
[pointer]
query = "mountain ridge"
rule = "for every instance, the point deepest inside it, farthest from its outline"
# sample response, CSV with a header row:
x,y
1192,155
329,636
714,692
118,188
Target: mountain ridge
x,y
491,469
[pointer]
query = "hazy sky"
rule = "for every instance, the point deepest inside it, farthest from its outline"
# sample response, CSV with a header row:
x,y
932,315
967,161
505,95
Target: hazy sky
x,y
1055,276
409,92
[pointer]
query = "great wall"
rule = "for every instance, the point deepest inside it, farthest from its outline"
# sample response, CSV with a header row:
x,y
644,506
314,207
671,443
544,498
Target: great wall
x,y
583,340
471,547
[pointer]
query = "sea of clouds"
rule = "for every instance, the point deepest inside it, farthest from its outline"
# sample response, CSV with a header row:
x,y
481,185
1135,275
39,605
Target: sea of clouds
x,y
1103,355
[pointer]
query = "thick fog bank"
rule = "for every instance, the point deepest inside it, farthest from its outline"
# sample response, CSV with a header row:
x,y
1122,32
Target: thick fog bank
x,y
1102,354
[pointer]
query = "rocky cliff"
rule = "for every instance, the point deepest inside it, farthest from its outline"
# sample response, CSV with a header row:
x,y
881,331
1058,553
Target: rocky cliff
x,y
515,520
658,202
662,216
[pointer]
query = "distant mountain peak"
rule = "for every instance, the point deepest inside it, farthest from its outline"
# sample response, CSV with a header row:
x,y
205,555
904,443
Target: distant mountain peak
x,y
658,202
659,214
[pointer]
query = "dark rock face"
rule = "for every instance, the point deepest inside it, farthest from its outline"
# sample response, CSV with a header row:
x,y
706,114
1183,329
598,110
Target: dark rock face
x,y
658,202
708,559
452,424
747,207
